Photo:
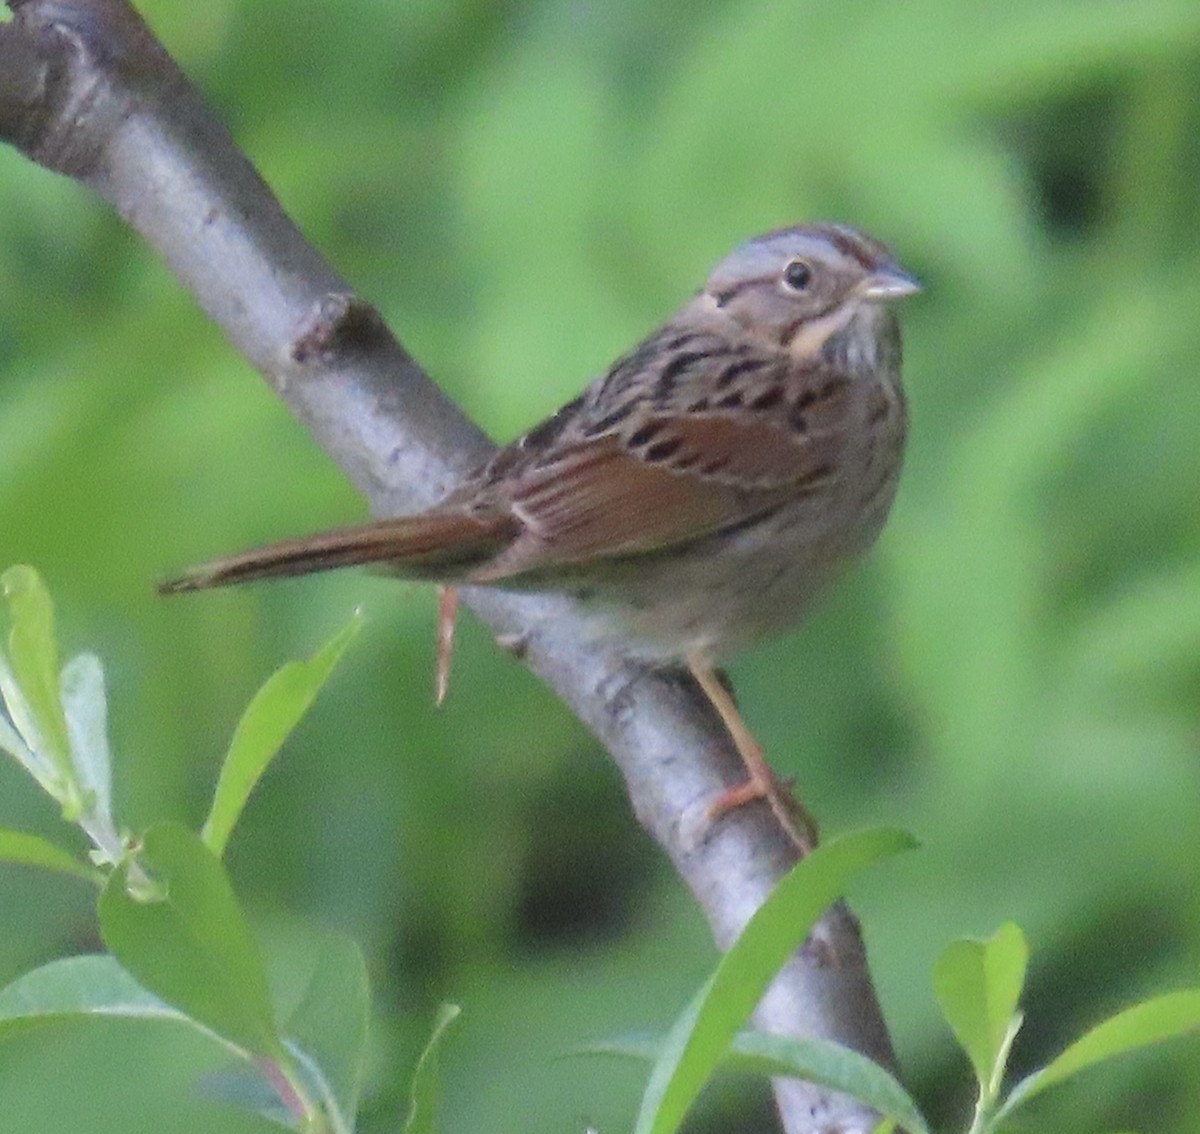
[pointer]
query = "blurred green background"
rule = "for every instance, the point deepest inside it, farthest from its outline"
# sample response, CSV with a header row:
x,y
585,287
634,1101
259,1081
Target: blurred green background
x,y
524,188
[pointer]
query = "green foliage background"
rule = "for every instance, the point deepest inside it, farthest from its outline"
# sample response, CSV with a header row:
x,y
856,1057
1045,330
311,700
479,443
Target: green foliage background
x,y
524,187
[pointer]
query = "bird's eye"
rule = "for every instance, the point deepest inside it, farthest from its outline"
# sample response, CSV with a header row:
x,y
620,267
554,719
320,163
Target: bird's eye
x,y
797,275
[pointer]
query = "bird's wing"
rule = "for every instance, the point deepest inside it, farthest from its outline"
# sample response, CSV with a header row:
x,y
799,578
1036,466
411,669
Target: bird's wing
x,y
666,477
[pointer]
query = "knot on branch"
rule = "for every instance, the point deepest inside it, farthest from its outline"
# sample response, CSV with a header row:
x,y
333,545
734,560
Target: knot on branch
x,y
340,323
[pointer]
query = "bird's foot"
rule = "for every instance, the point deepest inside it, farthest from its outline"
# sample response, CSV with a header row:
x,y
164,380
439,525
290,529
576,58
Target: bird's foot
x,y
762,783
801,827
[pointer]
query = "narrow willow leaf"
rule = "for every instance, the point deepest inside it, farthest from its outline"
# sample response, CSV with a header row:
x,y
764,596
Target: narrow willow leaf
x,y
816,1061
978,985
190,943
75,987
244,1087
33,850
86,708
830,1065
705,1029
96,985
328,1030
1165,1017
424,1090
33,659
10,742
273,712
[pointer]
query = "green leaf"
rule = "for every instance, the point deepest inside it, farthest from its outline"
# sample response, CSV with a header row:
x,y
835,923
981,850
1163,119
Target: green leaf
x,y
77,987
86,708
36,709
273,712
705,1029
243,1086
33,850
328,1030
978,985
185,938
830,1065
424,1089
1165,1017
10,742
816,1061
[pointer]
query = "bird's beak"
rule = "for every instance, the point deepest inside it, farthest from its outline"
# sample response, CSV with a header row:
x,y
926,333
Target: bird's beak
x,y
888,282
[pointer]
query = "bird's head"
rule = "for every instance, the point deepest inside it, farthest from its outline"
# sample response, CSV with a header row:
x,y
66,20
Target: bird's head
x,y
796,287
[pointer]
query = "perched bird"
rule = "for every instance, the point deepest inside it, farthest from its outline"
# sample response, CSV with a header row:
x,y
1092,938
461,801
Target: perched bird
x,y
696,496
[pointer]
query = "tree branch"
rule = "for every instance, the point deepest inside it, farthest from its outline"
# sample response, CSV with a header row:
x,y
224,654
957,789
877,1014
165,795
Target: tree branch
x,y
86,90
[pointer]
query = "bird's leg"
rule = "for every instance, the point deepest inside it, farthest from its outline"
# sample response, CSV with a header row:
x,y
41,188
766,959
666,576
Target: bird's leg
x,y
447,612
762,782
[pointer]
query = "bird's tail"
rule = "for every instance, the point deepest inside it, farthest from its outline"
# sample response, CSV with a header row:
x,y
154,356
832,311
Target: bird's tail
x,y
431,545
